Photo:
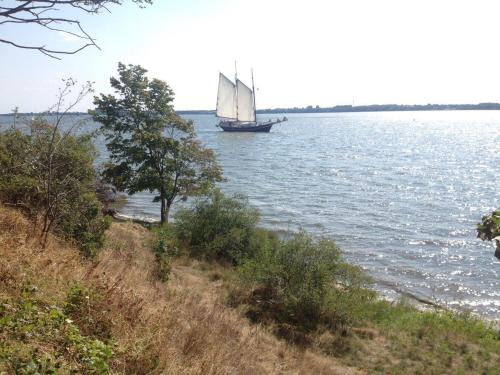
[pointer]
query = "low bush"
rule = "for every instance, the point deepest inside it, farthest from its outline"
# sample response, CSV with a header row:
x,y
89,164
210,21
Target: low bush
x,y
86,228
50,176
218,227
305,283
489,227
165,246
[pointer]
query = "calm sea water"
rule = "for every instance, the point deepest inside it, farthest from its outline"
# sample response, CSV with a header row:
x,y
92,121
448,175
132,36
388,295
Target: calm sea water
x,y
400,192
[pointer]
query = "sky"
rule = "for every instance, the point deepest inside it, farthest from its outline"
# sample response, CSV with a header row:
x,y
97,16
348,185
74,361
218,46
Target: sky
x,y
314,52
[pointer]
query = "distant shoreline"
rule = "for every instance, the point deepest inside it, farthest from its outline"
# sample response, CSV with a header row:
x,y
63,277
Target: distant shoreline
x,y
368,108
337,109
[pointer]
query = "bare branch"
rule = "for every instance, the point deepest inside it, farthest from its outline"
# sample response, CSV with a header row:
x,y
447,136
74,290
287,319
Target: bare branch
x,y
42,13
48,52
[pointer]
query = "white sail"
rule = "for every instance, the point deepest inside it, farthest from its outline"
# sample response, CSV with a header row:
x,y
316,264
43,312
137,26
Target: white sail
x,y
245,106
226,98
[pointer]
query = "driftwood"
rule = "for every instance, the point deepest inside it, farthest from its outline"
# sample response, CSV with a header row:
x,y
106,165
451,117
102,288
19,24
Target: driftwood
x,y
122,218
424,301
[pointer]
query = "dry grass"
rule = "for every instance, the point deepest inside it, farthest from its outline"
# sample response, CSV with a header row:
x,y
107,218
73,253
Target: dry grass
x,y
183,328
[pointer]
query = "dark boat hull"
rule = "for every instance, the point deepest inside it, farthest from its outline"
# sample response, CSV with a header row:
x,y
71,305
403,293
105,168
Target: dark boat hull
x,y
261,128
246,129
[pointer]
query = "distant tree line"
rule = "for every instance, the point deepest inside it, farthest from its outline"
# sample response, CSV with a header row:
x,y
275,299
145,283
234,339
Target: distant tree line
x,y
366,108
384,108
338,108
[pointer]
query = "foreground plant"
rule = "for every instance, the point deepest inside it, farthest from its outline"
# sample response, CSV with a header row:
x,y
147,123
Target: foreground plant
x,y
38,338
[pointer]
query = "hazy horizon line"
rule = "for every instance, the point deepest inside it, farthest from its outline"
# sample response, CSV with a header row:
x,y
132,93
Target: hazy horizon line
x,y
388,107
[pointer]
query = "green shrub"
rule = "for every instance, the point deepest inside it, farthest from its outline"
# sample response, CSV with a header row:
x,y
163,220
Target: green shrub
x,y
219,227
489,227
305,283
18,184
50,176
88,227
165,247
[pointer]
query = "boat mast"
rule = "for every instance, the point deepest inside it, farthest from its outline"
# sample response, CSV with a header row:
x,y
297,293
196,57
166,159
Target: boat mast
x,y
217,104
254,108
236,86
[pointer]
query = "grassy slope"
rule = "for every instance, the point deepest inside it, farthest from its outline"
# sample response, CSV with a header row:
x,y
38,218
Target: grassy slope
x,y
396,338
183,328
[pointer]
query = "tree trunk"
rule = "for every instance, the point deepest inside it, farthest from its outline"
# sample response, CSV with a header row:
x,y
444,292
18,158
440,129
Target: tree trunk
x,y
163,217
165,206
167,209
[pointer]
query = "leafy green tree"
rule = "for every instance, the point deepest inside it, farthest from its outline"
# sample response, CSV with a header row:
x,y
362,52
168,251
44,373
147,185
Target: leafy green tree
x,y
489,229
151,147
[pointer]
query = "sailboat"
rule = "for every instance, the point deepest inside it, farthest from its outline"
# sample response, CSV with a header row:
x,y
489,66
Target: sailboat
x,y
236,107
